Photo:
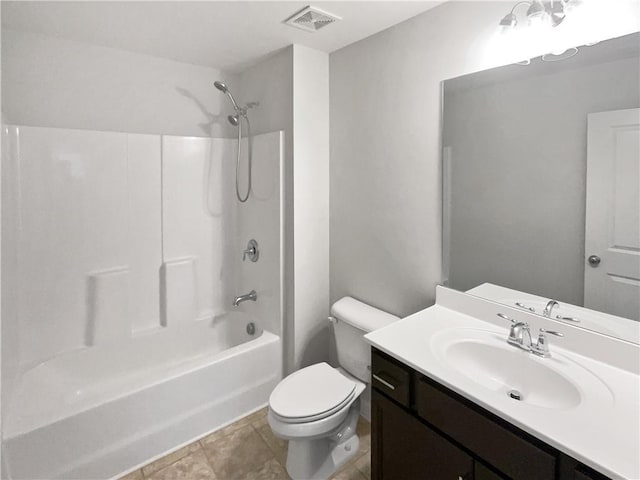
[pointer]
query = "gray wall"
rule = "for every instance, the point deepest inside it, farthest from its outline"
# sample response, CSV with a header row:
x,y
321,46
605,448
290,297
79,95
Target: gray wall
x,y
385,152
270,82
50,82
519,169
311,205
385,144
293,89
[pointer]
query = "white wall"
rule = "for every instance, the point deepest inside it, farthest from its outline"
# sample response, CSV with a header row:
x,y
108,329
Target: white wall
x,y
385,145
2,121
9,344
50,82
311,204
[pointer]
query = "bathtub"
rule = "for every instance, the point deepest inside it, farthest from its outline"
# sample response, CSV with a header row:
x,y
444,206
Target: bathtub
x,y
98,412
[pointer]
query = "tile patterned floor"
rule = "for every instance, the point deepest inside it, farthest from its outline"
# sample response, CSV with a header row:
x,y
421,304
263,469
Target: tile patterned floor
x,y
245,450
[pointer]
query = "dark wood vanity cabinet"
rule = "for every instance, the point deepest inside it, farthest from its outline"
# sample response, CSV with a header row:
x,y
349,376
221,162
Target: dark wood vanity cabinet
x,y
420,430
583,473
404,448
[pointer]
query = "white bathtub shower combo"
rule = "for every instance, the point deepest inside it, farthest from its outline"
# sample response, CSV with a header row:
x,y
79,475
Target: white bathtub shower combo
x,y
123,255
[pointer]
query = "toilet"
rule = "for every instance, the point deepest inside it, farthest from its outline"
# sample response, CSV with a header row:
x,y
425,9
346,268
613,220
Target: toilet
x,y
317,407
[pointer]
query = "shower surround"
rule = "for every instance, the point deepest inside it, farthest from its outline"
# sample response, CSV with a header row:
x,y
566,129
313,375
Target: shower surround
x,y
121,256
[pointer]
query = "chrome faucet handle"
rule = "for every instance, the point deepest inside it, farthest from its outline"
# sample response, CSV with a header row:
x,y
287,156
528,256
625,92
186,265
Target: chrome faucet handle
x,y
525,307
541,348
251,251
502,315
551,332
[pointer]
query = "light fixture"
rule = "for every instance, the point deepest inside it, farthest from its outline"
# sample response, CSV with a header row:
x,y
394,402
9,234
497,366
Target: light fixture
x,y
536,10
557,13
552,12
509,20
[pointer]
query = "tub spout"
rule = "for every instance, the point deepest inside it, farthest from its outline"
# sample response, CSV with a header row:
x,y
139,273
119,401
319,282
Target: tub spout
x,y
252,295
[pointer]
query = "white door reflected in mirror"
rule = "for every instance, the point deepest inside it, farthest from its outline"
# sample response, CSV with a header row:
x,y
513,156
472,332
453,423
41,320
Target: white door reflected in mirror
x,y
612,229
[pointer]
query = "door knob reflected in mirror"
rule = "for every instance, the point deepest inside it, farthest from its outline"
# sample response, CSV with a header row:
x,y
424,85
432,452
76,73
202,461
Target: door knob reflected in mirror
x,y
594,260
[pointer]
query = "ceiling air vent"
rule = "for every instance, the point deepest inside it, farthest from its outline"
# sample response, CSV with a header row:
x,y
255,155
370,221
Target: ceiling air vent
x,y
311,19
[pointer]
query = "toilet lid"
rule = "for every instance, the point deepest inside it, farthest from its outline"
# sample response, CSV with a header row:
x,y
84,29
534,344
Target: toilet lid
x,y
311,392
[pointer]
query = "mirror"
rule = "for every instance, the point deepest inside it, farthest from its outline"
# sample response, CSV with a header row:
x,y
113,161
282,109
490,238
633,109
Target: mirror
x,y
541,173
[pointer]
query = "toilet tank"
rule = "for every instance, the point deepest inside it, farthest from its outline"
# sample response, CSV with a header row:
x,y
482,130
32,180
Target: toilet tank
x,y
352,320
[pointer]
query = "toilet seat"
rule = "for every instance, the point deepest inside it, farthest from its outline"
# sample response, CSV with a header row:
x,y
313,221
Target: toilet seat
x,y
311,394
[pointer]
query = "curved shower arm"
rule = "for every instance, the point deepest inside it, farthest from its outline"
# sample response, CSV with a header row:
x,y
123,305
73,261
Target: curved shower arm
x,y
235,105
520,3
224,89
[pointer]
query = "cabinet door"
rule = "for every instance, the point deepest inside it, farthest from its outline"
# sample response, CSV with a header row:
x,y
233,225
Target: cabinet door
x,y
490,438
582,473
483,473
405,449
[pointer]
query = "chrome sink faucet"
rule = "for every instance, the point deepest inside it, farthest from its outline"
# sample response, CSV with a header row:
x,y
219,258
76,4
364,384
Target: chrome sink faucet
x,y
549,308
520,336
252,295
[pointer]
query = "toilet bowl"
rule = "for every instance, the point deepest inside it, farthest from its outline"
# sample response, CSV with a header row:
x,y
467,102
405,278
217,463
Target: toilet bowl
x,y
317,408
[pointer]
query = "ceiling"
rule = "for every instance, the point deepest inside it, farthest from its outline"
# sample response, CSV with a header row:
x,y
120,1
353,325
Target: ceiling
x,y
229,35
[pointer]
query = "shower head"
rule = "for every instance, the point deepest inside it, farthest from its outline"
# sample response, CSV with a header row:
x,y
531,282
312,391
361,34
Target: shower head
x,y
234,120
220,86
223,88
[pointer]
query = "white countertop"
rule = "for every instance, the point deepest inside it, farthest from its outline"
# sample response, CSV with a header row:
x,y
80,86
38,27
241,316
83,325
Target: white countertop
x,y
601,434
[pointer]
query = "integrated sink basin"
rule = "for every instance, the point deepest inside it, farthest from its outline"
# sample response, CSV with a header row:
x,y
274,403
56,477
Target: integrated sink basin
x,y
485,358
512,370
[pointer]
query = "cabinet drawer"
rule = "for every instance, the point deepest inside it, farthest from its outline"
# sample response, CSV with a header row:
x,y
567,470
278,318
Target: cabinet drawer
x,y
390,377
507,451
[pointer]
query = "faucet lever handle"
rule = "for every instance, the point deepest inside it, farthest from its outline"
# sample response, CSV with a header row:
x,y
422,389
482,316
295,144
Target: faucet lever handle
x,y
502,315
541,348
550,332
251,251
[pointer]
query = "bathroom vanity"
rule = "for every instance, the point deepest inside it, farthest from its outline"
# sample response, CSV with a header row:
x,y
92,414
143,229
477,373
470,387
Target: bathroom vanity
x,y
422,429
442,406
